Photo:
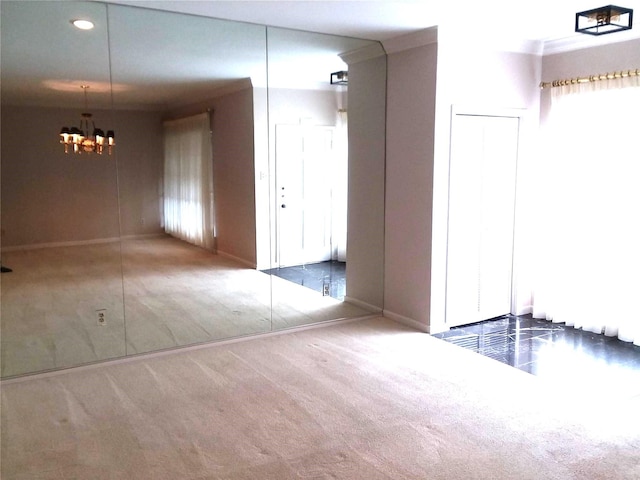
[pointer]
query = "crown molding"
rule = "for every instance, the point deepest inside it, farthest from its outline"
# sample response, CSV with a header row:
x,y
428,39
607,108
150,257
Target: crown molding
x,y
451,36
412,40
362,54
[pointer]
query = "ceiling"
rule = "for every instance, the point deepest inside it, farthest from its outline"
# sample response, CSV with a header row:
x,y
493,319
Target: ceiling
x,y
147,59
156,60
381,20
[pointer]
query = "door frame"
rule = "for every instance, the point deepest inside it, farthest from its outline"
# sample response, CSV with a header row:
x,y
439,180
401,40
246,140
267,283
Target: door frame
x,y
276,199
487,111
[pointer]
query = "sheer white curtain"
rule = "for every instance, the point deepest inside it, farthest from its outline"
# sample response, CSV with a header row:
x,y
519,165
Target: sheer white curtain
x,y
587,225
188,180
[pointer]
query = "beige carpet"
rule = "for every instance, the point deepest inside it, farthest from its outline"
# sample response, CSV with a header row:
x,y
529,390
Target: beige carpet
x,y
157,293
368,400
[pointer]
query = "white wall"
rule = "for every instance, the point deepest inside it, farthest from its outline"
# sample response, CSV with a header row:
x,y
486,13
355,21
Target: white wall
x,y
140,156
482,79
366,203
49,197
261,177
429,73
411,103
234,174
295,106
425,82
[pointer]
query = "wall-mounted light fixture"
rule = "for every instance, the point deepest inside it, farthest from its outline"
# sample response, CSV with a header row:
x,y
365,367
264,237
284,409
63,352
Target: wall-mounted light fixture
x,y
607,19
340,78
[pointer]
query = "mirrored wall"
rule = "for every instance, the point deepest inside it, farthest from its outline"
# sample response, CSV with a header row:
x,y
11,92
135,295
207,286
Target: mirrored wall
x,y
93,266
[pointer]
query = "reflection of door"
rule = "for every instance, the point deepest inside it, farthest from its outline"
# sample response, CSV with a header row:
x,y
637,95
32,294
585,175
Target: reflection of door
x,y
482,177
303,193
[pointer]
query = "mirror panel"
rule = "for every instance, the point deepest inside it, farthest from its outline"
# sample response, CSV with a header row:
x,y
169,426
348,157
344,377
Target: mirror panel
x,y
62,302
176,292
94,274
308,131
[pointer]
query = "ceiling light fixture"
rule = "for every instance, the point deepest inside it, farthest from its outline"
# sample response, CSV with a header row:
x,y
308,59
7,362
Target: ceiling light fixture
x,y
607,19
84,140
82,24
340,78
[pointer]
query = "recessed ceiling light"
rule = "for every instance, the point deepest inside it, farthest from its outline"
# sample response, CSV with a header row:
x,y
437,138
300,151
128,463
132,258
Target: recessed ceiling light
x,y
83,24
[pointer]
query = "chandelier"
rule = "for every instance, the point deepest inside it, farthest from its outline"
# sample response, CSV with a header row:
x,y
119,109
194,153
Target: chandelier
x,y
87,138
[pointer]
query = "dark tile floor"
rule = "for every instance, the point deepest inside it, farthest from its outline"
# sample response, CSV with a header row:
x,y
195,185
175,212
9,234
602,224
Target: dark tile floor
x,y
327,278
553,350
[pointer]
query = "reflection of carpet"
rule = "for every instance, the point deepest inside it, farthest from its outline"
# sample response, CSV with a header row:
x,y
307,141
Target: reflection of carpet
x,y
175,294
368,399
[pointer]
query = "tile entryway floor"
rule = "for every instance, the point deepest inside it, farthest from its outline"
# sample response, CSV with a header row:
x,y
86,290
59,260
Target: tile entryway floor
x,y
555,351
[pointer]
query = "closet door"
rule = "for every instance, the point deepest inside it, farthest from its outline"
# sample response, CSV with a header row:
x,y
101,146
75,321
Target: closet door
x,y
482,177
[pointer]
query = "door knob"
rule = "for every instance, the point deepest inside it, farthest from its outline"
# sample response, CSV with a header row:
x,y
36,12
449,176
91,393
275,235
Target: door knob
x,y
283,206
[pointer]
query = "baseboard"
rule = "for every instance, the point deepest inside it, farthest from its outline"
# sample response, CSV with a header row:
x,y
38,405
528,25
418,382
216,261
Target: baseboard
x,y
367,306
244,262
410,322
78,243
75,243
524,310
178,349
146,236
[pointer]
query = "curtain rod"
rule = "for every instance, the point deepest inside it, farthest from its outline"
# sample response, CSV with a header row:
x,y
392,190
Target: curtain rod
x,y
591,78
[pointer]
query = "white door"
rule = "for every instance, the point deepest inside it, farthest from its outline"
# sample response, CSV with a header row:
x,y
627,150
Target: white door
x,y
484,151
303,193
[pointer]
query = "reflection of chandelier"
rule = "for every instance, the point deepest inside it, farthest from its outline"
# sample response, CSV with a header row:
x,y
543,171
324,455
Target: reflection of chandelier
x,y
85,140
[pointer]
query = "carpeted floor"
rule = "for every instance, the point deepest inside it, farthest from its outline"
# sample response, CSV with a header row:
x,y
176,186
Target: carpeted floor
x,y
157,293
369,399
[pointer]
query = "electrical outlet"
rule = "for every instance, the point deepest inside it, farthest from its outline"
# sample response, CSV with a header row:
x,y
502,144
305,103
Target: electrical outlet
x,y
102,317
326,289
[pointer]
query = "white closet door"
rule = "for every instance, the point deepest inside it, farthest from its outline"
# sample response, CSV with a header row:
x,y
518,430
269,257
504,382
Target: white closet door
x,y
484,152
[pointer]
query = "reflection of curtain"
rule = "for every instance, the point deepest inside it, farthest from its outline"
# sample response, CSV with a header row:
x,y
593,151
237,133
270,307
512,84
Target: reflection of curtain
x,y
588,261
188,180
339,193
